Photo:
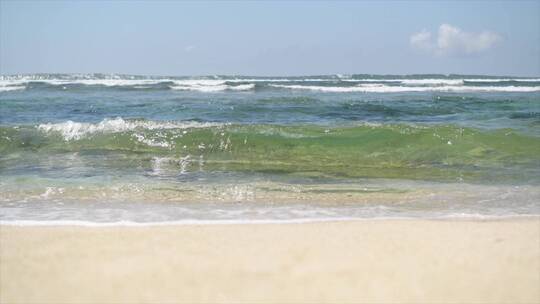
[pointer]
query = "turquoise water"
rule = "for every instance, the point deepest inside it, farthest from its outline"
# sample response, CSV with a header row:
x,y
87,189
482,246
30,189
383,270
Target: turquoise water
x,y
123,148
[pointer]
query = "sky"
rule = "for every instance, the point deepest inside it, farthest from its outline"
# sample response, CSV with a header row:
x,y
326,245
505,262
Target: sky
x,y
270,38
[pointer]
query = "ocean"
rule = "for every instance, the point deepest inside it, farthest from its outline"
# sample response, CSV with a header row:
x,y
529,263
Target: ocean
x,y
101,149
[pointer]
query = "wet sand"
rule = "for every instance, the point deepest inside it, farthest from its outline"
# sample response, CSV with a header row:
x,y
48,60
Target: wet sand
x,y
412,261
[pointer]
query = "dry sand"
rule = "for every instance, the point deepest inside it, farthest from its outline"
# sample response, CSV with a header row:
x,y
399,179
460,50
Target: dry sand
x,y
365,261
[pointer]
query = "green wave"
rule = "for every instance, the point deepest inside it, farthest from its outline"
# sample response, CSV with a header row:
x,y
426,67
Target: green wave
x,y
389,151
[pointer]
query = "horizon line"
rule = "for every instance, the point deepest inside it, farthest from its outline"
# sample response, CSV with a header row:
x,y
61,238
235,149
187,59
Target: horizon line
x,y
338,75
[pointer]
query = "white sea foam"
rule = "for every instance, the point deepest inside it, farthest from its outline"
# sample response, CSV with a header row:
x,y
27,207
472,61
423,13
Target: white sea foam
x,y
279,79
187,221
208,85
435,81
395,89
168,223
11,88
411,81
11,84
112,82
451,82
202,85
243,87
103,82
217,84
71,130
503,79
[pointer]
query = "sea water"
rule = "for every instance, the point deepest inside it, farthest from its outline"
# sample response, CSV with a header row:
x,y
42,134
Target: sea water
x,y
103,149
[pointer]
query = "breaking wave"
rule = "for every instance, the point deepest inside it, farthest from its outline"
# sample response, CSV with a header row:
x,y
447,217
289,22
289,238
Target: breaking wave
x,y
380,88
202,85
365,150
71,130
208,84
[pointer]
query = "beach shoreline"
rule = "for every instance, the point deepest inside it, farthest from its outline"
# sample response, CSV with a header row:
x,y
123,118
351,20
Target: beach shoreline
x,y
488,261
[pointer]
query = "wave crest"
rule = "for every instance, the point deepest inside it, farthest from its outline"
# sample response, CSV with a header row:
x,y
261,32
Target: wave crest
x,y
205,85
380,88
378,84
71,130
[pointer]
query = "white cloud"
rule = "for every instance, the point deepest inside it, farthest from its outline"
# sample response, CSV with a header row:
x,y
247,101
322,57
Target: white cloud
x,y
421,40
452,40
189,48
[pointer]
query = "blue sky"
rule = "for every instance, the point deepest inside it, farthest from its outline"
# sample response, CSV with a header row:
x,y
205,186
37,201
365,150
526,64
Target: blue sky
x,y
270,38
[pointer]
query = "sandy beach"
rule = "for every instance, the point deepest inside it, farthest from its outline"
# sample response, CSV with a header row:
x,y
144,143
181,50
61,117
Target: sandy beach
x,y
365,261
